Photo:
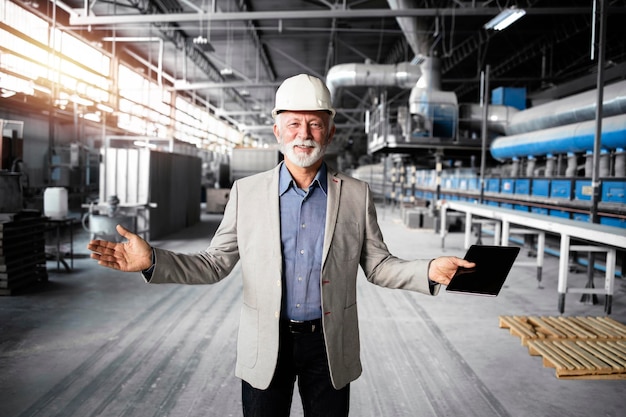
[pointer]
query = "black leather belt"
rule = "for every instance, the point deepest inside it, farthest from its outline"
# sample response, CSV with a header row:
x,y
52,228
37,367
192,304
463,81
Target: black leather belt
x,y
308,326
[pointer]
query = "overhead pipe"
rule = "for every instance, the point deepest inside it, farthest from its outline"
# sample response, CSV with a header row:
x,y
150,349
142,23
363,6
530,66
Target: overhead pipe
x,y
412,27
498,117
576,137
577,108
403,75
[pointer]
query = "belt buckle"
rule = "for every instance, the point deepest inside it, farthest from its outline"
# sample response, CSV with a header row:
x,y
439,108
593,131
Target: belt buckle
x,y
297,326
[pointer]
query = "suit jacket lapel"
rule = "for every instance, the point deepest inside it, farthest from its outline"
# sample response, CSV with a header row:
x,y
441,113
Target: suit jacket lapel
x,y
274,211
332,209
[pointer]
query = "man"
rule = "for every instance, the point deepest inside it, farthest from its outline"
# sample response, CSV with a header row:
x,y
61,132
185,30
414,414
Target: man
x,y
300,231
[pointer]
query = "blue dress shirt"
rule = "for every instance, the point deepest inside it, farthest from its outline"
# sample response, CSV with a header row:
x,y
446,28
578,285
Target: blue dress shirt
x,y
302,223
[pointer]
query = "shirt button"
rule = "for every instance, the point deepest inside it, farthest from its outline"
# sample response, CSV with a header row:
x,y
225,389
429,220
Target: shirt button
x,y
297,305
299,278
278,283
276,314
303,225
302,252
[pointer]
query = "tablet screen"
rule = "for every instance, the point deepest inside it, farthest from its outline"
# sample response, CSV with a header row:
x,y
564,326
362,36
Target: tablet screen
x,y
493,264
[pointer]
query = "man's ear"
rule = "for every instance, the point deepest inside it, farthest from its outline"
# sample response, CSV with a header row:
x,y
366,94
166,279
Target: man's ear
x,y
331,135
276,133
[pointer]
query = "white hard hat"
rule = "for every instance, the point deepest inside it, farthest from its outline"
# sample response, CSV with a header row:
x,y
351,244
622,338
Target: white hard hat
x,y
303,92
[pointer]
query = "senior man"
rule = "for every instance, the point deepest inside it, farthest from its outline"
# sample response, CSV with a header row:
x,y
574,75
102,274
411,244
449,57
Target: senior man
x,y
301,231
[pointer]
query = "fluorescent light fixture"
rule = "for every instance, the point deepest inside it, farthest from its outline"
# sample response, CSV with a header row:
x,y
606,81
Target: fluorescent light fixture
x,y
92,116
104,108
505,18
79,100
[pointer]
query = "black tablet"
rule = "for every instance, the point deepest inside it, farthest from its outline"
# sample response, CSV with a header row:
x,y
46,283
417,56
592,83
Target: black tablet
x,y
493,264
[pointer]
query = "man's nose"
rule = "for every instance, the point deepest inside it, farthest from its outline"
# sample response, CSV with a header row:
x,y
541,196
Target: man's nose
x,y
304,131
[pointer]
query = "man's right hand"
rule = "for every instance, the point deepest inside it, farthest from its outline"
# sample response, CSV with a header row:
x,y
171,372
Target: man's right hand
x,y
134,255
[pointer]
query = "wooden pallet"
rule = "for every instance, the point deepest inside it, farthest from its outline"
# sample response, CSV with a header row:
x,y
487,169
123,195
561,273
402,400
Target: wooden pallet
x,y
577,347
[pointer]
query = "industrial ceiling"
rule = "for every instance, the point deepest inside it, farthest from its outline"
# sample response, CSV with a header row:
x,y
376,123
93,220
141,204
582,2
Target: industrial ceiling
x,y
234,53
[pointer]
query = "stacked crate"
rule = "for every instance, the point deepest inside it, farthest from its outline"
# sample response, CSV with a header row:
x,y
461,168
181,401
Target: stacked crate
x,y
22,250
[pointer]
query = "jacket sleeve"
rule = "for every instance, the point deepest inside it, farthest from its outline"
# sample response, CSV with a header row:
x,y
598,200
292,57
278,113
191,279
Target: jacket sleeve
x,y
384,269
209,266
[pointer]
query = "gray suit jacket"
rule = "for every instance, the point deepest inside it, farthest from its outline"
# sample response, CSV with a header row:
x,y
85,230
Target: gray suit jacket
x,y
250,232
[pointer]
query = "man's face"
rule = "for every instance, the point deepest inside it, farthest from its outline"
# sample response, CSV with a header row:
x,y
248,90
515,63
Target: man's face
x,y
303,136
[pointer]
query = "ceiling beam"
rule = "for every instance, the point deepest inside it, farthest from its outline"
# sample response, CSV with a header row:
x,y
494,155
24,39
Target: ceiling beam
x,y
206,85
77,19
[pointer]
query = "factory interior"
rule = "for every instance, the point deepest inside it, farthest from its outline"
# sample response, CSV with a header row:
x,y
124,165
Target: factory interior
x,y
497,122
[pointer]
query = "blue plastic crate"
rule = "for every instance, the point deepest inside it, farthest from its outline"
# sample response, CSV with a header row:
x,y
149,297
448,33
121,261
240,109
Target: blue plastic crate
x,y
561,189
508,186
614,191
560,213
580,217
521,207
493,185
522,186
613,221
492,203
541,187
539,210
506,205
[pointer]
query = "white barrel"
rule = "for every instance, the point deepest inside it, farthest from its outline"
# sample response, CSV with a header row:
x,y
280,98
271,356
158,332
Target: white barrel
x,y
55,202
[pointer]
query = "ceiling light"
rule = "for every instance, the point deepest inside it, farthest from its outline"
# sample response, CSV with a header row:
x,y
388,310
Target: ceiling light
x,y
82,101
104,108
505,18
7,93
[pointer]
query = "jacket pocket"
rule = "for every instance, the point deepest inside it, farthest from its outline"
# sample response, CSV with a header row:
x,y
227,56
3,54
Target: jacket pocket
x,y
248,337
347,240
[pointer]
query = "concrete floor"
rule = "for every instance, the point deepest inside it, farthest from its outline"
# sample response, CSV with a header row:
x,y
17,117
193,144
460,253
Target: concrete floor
x,y
96,342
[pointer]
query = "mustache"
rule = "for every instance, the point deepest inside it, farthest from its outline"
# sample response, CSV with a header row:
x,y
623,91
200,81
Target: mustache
x,y
304,142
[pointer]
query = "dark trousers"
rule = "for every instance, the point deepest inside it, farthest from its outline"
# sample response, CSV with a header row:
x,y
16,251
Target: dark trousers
x,y
301,356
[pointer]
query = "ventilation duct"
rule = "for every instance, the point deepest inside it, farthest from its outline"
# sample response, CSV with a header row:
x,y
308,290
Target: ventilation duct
x,y
412,27
433,112
403,75
577,108
498,117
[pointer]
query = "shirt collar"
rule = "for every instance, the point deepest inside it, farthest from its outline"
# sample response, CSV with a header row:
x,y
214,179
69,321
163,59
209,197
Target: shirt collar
x,y
285,180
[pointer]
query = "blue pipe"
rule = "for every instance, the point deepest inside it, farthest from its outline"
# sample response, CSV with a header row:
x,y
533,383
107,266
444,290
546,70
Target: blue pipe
x,y
577,137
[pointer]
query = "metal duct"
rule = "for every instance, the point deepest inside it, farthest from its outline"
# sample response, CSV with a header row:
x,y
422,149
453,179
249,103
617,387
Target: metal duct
x,y
498,117
604,163
576,108
403,75
412,27
530,166
437,110
620,163
576,137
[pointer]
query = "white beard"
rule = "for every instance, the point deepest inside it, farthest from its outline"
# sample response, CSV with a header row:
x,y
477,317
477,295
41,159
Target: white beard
x,y
301,159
